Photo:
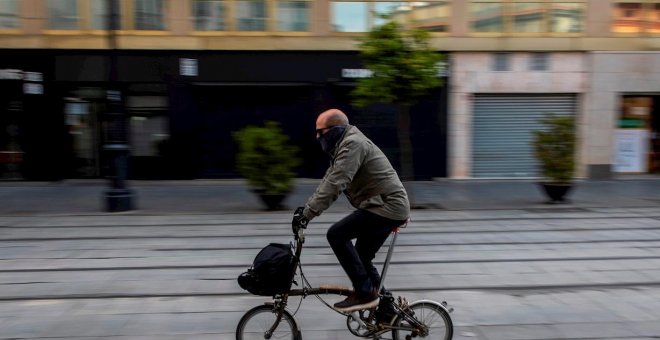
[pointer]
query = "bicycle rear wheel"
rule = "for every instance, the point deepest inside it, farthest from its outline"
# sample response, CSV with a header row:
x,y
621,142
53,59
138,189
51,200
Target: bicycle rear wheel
x,y
432,316
257,321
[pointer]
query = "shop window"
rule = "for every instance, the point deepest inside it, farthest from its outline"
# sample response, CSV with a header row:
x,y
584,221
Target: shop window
x,y
251,15
81,122
63,15
9,14
209,15
149,15
539,61
527,17
636,145
627,17
566,17
431,15
148,125
293,16
11,150
148,133
486,17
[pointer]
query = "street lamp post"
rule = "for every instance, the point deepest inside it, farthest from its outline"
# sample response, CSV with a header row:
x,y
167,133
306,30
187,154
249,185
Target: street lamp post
x,y
118,197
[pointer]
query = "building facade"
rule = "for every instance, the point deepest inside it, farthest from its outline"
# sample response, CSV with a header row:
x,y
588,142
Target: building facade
x,y
193,71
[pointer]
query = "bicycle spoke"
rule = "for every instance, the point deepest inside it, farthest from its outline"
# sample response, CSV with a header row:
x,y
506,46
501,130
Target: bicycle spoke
x,y
256,322
435,319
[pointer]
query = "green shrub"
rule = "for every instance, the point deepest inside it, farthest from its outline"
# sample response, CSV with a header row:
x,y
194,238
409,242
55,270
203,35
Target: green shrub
x,y
265,158
555,148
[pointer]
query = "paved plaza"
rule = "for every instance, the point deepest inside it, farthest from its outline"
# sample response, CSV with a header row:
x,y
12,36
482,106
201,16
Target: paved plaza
x,y
526,270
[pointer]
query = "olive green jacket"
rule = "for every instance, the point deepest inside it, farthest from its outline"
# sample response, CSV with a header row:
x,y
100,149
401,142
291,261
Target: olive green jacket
x,y
361,171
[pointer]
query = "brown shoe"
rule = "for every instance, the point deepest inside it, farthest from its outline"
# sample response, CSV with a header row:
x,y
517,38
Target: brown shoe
x,y
357,302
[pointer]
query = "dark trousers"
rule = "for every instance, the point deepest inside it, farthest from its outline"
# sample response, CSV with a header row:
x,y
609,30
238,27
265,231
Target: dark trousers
x,y
370,232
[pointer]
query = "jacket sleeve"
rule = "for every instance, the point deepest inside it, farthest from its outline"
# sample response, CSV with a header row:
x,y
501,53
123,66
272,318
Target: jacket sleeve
x,y
337,178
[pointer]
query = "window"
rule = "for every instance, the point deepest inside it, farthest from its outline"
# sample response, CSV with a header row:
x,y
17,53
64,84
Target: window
x,y
501,61
399,11
209,15
360,16
251,15
8,14
349,16
636,17
627,18
566,17
527,17
431,15
654,19
149,15
63,15
486,17
293,16
99,18
539,61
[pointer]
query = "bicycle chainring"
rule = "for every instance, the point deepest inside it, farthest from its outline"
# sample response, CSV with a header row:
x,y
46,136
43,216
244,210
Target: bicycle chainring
x,y
358,328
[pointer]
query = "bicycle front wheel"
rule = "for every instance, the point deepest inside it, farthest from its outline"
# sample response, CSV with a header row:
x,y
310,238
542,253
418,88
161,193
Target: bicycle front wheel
x,y
258,321
431,315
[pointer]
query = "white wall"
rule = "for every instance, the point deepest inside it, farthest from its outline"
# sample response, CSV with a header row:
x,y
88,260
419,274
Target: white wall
x,y
613,75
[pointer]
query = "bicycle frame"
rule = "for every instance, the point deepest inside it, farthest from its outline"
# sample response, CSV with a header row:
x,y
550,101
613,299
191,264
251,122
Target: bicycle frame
x,y
401,315
280,301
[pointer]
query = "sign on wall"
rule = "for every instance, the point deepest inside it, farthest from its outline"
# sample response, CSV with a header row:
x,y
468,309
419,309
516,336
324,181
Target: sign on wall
x,y
631,150
188,67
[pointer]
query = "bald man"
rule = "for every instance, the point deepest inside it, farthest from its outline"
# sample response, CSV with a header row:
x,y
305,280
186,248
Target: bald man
x,y
360,170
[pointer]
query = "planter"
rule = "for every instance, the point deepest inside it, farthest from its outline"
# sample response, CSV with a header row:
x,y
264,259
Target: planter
x,y
556,191
272,201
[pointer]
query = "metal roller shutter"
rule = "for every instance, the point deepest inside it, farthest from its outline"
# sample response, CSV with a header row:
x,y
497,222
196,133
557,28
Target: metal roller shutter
x,y
502,131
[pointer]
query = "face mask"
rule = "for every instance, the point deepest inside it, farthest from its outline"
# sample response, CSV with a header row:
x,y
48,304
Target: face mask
x,y
329,139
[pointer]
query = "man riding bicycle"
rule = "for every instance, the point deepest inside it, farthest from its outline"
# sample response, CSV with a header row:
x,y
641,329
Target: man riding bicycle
x,y
360,170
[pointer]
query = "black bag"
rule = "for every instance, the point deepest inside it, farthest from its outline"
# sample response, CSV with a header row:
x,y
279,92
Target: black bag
x,y
271,271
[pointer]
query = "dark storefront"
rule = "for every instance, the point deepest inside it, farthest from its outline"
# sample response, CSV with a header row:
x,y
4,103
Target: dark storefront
x,y
31,130
183,107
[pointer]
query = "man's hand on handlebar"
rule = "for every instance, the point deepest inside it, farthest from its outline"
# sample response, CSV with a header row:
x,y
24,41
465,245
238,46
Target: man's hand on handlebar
x,y
299,221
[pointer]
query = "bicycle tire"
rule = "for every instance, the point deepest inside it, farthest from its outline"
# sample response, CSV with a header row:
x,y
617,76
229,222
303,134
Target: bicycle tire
x,y
258,320
430,314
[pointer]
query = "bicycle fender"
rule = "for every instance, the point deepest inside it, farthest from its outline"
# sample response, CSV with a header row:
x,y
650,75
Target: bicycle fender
x,y
442,305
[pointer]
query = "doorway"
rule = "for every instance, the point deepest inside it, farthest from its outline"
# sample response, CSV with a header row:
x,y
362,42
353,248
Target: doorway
x,y
637,148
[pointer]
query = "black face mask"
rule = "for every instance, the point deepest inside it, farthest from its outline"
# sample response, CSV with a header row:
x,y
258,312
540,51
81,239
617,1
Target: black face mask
x,y
329,139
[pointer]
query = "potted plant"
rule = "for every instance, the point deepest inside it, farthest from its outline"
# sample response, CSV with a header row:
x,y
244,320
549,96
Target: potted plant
x,y
554,148
266,160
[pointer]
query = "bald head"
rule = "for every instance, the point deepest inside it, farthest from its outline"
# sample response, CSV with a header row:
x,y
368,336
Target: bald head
x,y
329,118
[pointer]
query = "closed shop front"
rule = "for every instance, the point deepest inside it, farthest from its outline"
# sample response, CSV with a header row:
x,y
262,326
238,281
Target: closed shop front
x,y
502,134
182,107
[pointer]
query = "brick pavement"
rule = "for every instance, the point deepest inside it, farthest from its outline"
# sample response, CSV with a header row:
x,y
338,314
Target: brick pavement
x,y
232,196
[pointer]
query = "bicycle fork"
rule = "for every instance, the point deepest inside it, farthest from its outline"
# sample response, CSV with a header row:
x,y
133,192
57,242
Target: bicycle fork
x,y
278,306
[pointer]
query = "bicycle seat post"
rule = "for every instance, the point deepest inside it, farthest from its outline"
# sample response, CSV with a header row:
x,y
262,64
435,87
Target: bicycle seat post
x,y
395,232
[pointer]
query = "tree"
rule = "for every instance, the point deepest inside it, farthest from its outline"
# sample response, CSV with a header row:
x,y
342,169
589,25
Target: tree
x,y
404,67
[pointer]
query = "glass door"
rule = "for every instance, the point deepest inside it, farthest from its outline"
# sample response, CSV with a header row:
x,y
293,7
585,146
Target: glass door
x,y
83,129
